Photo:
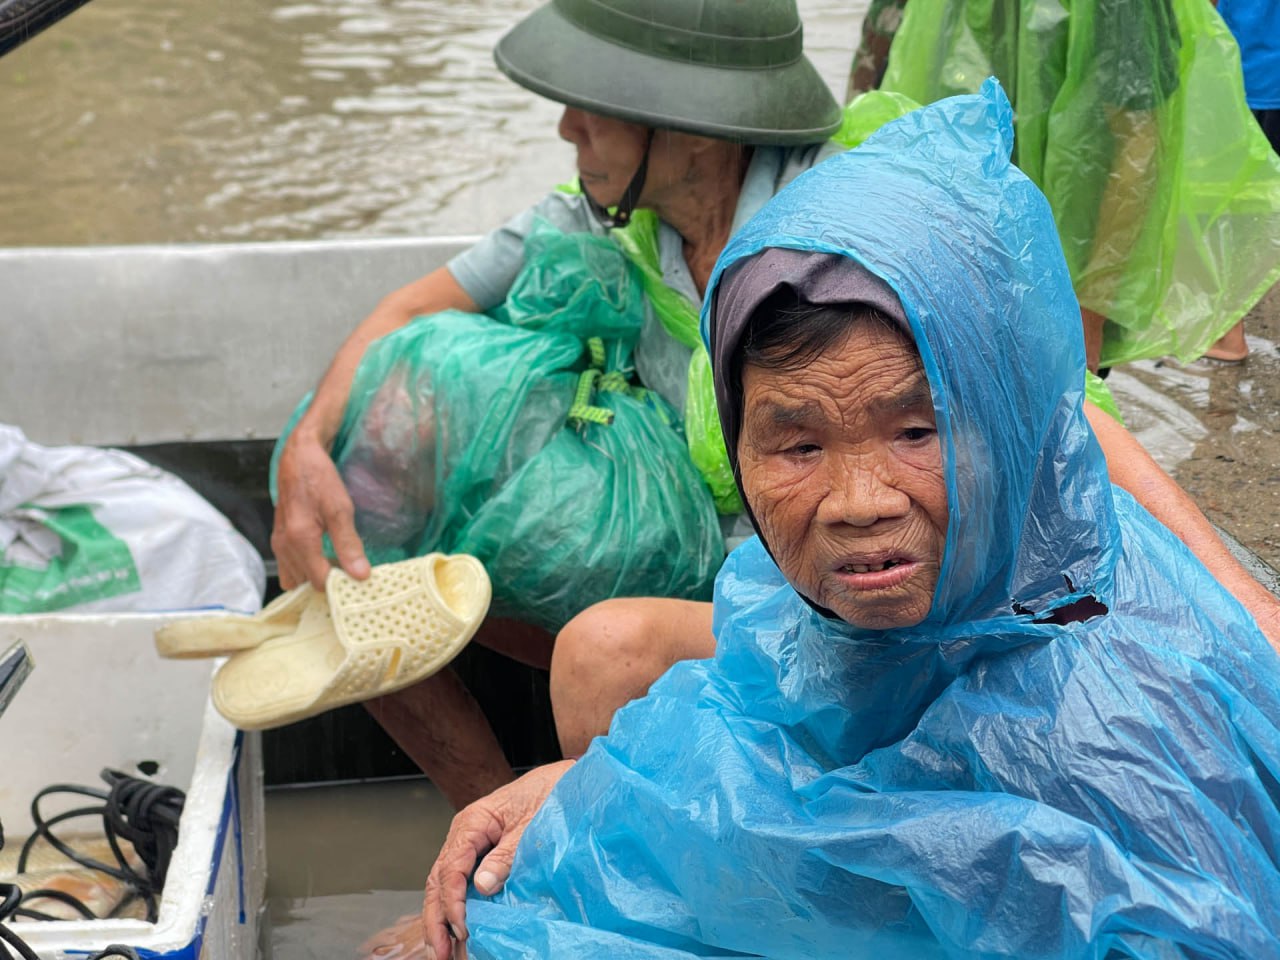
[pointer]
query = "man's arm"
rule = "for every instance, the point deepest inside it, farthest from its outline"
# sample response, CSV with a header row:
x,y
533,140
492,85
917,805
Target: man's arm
x,y
1132,468
312,498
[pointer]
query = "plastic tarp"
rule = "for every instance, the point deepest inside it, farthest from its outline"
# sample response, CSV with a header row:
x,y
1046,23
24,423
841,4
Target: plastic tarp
x,y
987,783
1131,117
522,439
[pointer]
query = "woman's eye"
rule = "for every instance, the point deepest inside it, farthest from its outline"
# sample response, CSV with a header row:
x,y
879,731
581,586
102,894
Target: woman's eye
x,y
917,434
803,449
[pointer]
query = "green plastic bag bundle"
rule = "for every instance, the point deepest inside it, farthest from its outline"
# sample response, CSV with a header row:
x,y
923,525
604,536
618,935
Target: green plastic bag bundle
x,y
1130,116
521,438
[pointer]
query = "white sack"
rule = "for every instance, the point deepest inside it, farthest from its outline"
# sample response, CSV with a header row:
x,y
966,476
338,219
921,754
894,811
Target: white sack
x,y
94,530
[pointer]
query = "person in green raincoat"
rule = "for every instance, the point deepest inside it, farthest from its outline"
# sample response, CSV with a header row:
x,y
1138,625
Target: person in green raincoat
x,y
1131,118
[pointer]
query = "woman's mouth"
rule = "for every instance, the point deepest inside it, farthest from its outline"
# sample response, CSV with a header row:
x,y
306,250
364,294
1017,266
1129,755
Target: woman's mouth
x,y
878,575
870,567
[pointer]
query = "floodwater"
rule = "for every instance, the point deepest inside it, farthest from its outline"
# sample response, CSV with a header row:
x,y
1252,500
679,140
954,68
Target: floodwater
x,y
346,861
142,121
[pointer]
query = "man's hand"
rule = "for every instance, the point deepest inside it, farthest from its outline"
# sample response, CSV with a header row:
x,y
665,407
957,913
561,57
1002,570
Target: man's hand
x,y
490,828
312,498
313,502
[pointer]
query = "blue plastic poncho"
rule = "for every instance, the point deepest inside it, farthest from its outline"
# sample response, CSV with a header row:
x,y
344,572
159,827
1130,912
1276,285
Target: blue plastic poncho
x,y
982,784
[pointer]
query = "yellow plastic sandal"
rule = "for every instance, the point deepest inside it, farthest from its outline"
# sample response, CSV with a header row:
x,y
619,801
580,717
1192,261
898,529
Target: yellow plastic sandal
x,y
224,635
365,638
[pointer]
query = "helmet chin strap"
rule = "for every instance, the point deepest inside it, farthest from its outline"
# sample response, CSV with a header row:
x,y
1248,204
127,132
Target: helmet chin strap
x,y
621,214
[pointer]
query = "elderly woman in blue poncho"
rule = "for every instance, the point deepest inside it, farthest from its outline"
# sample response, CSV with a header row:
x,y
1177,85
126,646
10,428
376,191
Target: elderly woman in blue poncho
x,y
968,699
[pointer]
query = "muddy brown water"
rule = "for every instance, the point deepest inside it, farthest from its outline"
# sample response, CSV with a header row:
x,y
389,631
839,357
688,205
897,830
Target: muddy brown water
x,y
140,121
346,861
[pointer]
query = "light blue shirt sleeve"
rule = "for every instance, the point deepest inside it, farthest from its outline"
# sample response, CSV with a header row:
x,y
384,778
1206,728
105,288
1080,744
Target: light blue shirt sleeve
x,y
487,270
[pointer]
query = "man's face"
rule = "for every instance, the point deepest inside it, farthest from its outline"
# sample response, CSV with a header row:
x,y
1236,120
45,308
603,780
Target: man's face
x,y
609,152
841,465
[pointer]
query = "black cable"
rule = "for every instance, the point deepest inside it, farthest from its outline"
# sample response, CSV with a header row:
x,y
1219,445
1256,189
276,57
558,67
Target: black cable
x,y
147,815
15,941
74,903
143,813
12,896
26,953
41,824
42,832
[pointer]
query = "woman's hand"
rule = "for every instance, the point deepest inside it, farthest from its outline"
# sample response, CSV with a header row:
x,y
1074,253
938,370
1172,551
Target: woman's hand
x,y
490,828
313,502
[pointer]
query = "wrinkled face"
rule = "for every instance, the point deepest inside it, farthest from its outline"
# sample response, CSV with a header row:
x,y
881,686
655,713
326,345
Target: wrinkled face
x,y
842,468
609,151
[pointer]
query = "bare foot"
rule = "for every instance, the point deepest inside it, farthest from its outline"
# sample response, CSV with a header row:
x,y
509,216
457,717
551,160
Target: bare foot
x,y
403,940
1231,347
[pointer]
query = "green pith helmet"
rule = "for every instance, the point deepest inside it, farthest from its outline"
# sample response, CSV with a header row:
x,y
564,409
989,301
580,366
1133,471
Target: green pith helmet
x,y
732,69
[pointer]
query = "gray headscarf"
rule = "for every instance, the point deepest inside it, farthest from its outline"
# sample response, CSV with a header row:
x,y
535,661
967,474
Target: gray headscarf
x,y
820,278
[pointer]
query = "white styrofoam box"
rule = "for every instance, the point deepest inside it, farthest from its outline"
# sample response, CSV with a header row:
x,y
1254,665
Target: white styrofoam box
x,y
99,696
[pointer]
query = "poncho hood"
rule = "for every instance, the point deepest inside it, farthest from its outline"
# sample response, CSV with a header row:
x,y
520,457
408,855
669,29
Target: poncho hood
x,y
931,214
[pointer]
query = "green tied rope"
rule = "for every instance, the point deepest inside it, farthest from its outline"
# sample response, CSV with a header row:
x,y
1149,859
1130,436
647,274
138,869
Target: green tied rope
x,y
582,412
615,381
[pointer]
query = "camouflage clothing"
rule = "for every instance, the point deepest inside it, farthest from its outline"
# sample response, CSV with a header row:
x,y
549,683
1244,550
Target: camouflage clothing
x,y
878,27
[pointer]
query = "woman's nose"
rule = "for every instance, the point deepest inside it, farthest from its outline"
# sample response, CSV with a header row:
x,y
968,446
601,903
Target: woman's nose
x,y
861,493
